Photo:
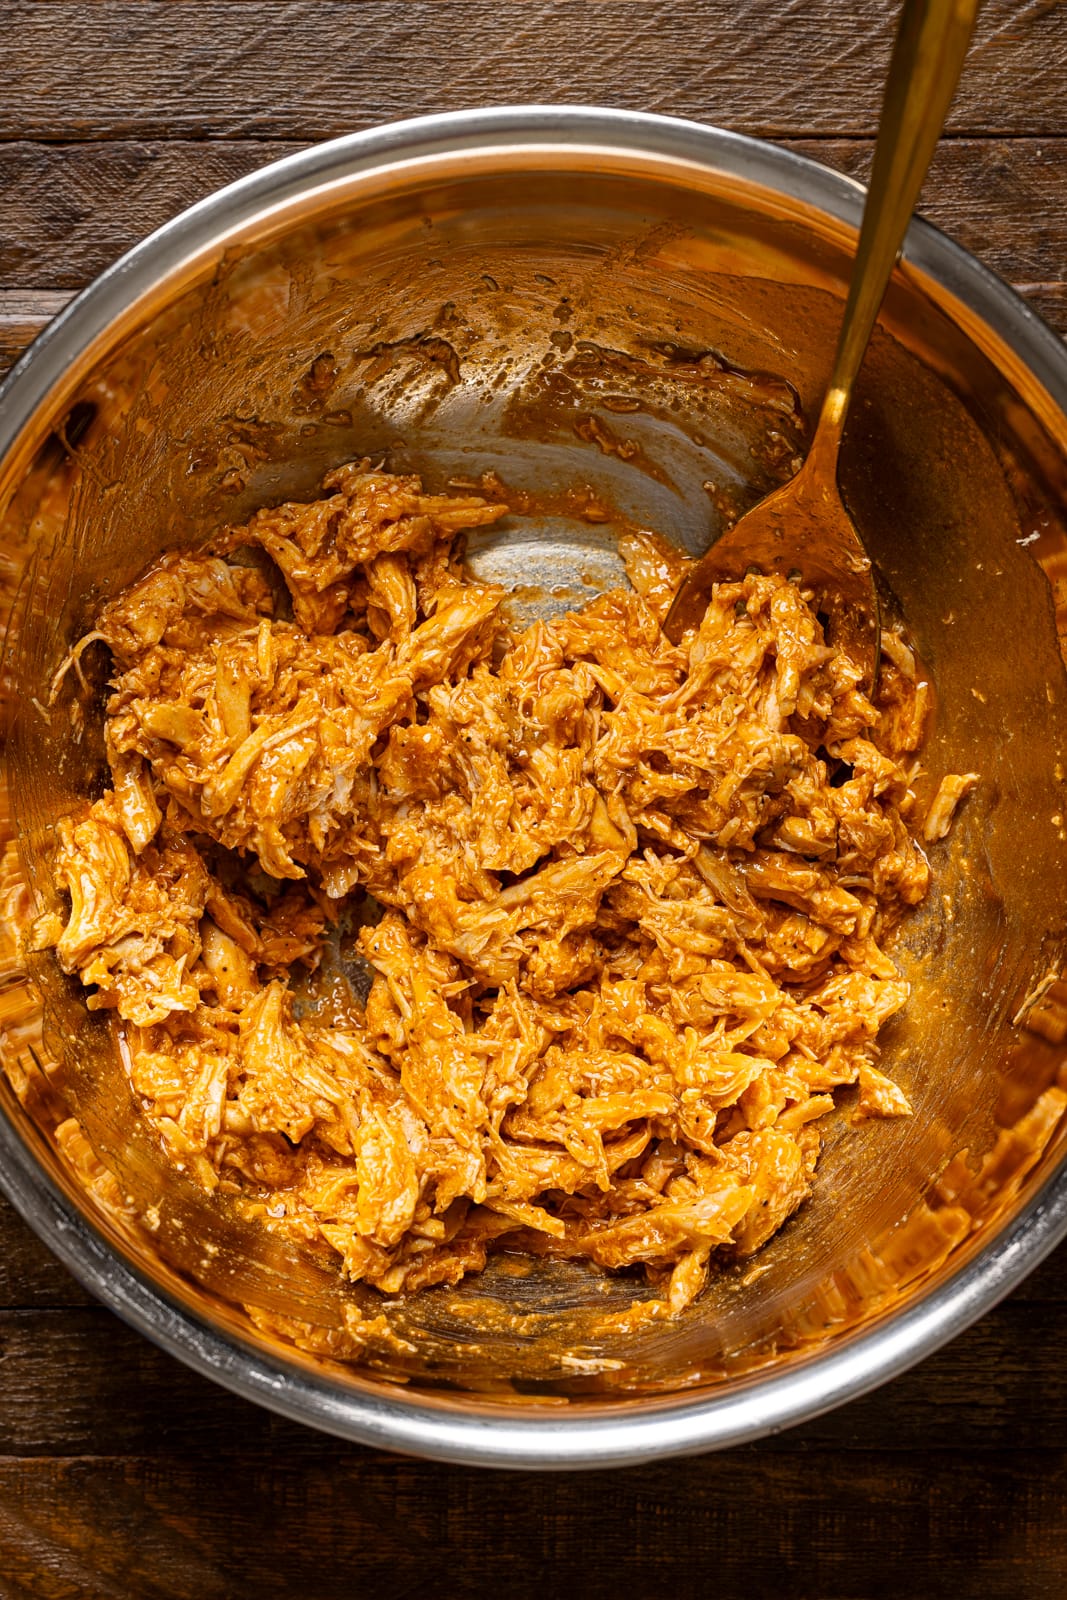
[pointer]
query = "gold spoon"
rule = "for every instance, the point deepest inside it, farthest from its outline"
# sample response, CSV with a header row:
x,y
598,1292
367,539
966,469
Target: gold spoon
x,y
803,527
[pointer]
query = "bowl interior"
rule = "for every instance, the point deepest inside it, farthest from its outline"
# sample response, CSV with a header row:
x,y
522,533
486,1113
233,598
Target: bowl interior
x,y
656,335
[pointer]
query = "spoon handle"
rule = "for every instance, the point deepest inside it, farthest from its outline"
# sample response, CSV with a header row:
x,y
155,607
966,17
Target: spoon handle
x,y
931,42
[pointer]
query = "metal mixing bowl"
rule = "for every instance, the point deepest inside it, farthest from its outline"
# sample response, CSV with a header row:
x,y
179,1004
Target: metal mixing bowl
x,y
646,308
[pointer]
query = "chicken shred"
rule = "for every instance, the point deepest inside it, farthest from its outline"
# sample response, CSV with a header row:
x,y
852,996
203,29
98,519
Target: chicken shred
x,y
621,906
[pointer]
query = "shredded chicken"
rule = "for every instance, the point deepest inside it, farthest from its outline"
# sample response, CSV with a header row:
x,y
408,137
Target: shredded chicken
x,y
622,906
953,788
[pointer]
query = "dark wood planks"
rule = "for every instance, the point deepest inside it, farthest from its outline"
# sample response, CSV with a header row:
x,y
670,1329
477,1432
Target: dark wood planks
x,y
309,70
30,1276
23,315
67,211
928,1526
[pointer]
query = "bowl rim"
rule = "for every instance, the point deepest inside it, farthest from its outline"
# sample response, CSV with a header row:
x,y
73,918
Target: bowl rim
x,y
389,1418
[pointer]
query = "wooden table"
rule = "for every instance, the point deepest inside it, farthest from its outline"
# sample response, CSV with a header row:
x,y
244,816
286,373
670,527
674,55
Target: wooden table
x,y
124,1476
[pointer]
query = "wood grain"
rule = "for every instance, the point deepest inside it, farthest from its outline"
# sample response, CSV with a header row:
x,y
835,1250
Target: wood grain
x,y
752,1523
24,313
30,1276
67,211
119,68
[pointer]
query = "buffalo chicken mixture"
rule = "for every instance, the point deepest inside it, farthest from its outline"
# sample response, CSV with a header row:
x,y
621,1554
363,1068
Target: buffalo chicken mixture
x,y
427,936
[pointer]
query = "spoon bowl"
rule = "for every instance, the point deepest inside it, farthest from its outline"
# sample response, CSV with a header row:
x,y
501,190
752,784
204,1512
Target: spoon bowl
x,y
801,529
803,526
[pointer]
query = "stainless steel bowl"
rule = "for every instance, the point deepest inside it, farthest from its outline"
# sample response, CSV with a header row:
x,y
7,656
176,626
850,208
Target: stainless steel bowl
x,y
522,289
